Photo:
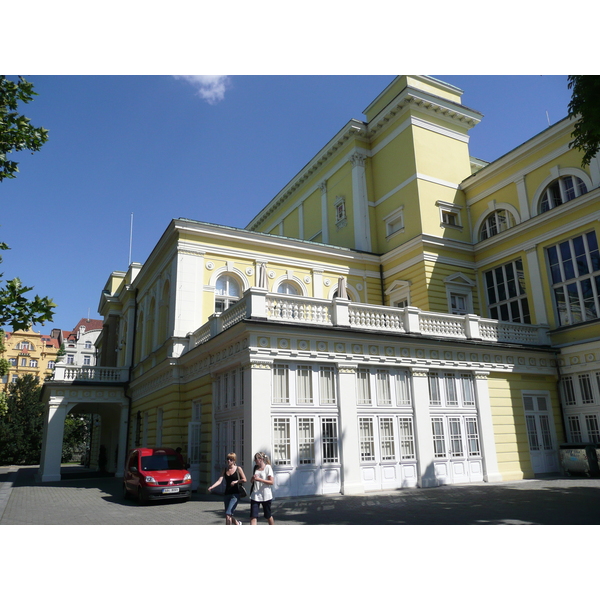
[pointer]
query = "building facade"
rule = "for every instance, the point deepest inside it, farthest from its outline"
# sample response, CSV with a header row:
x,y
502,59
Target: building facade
x,y
400,314
79,345
29,353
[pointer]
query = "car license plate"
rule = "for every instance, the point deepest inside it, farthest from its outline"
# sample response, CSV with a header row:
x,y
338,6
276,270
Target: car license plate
x,y
173,490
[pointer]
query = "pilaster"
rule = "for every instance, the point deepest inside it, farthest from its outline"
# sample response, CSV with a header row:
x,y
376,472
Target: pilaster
x,y
486,434
423,437
362,229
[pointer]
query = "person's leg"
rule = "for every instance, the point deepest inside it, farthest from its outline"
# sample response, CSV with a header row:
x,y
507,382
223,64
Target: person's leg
x,y
232,506
267,512
253,512
230,502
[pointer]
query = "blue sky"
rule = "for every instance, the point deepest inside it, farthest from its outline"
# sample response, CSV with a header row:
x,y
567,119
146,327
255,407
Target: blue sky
x,y
217,150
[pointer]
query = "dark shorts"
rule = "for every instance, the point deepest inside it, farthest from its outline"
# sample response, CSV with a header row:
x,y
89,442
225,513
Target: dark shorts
x,y
254,507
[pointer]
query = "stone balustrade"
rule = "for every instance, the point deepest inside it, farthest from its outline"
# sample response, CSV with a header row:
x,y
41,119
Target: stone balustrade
x,y
64,372
259,304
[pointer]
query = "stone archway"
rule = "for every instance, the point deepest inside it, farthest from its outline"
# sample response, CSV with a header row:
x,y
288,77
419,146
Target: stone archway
x,y
107,401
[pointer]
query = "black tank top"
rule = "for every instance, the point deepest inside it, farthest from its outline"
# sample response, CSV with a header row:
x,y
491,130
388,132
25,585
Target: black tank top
x,y
231,489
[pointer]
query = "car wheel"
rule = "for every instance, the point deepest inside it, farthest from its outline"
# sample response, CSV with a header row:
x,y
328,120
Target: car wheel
x,y
126,493
141,496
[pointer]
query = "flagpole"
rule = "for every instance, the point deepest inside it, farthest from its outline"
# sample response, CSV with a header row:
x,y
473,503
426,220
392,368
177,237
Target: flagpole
x,y
130,238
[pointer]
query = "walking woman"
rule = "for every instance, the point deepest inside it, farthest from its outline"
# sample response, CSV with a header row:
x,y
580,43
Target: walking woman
x,y
262,481
234,477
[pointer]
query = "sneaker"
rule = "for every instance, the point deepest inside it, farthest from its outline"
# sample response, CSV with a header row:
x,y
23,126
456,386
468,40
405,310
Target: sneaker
x,y
239,522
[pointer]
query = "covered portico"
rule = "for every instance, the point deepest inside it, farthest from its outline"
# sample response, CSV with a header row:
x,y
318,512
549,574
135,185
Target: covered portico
x,y
85,390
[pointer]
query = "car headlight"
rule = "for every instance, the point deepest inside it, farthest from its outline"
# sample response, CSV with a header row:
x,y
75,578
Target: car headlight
x,y
187,478
150,479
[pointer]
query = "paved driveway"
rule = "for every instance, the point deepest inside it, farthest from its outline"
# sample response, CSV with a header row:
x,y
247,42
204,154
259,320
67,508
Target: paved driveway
x,y
98,501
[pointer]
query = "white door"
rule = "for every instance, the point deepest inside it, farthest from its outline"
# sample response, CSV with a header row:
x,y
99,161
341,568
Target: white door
x,y
540,434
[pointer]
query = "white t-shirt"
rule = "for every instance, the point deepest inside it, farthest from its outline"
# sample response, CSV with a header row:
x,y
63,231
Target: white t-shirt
x,y
262,492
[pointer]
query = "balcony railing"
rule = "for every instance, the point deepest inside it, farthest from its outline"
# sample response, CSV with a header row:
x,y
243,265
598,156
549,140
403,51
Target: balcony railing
x,y
258,304
64,372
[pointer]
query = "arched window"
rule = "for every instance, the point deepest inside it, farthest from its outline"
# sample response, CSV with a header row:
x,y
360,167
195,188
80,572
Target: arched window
x,y
561,190
287,287
500,220
227,292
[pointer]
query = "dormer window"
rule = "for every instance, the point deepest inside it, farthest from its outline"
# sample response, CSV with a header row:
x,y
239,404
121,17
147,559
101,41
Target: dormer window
x,y
562,190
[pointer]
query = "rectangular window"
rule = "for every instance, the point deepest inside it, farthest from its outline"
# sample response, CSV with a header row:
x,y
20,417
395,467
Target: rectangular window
x,y
327,385
407,438
472,436
363,381
225,392
306,441
568,391
234,392
574,429
591,423
281,394
439,443
532,434
575,270
456,445
386,438
585,385
329,440
467,389
384,395
24,362
34,363
367,441
403,388
281,441
304,393
507,298
451,396
434,390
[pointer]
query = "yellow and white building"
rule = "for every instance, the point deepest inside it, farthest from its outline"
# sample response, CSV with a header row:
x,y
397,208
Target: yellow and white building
x,y
400,314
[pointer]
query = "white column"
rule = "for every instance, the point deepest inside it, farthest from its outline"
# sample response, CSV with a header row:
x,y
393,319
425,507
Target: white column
x,y
362,229
258,400
423,435
122,447
536,293
54,426
486,435
317,276
324,219
348,432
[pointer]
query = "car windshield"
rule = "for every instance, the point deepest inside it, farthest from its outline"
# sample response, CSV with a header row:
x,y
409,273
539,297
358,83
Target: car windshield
x,y
161,462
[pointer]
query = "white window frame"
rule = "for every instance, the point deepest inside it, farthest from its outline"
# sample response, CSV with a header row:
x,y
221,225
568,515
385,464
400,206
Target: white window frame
x,y
450,215
394,222
502,287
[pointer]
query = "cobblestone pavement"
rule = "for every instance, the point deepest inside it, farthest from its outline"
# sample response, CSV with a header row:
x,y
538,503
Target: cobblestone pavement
x,y
98,501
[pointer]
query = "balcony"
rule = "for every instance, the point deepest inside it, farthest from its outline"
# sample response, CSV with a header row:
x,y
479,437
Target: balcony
x,y
258,304
76,373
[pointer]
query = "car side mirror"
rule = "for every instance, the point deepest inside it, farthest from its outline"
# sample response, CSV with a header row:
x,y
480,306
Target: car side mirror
x,y
133,469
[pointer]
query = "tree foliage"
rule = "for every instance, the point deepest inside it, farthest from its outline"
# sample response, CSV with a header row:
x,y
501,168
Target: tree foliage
x,y
585,103
21,425
16,134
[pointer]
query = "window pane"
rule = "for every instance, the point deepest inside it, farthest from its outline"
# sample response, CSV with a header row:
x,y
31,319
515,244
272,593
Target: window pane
x,y
472,436
327,385
383,387
304,384
407,440
280,384
386,438
591,423
281,441
451,397
456,447
363,386
306,441
329,440
574,429
534,443
367,443
439,444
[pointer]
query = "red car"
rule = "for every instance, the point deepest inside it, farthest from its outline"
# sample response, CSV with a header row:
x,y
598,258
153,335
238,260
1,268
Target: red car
x,y
155,474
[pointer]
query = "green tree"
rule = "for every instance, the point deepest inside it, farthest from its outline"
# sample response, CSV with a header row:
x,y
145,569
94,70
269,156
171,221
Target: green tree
x,y
76,436
21,426
17,134
585,103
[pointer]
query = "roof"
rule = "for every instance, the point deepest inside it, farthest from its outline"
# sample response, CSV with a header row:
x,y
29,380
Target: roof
x,y
88,325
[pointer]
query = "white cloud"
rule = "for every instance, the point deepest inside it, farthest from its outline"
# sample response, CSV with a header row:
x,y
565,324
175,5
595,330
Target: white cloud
x,y
210,87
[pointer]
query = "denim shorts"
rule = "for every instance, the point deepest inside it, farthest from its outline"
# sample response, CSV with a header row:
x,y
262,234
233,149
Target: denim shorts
x,y
254,509
231,502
